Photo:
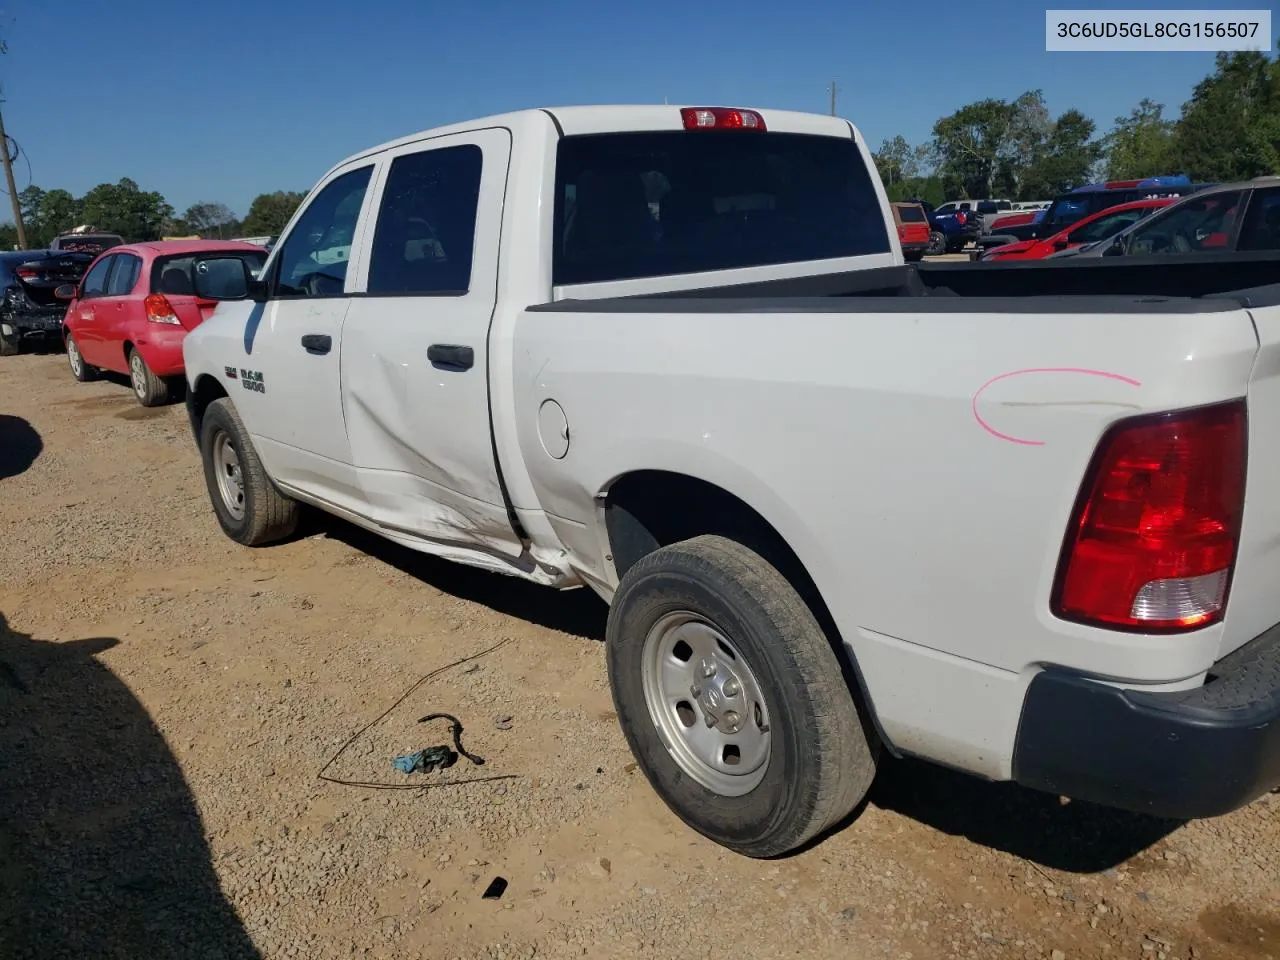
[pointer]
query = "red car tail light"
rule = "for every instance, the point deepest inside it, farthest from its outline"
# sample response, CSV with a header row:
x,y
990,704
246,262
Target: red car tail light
x,y
720,118
159,309
27,272
1152,542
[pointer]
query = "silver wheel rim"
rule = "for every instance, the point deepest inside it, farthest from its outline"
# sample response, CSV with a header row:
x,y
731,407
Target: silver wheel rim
x,y
706,704
226,467
74,358
138,374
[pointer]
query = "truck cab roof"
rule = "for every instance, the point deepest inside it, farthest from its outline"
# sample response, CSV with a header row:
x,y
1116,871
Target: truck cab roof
x,y
630,118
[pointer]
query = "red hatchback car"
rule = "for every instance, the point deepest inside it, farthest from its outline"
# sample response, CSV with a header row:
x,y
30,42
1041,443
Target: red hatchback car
x,y
133,308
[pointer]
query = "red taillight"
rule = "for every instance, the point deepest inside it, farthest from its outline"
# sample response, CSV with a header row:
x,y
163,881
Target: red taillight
x,y
1153,539
27,272
961,217
720,118
159,309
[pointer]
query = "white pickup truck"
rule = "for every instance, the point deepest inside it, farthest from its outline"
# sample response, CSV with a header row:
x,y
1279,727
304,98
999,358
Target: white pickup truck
x,y
993,516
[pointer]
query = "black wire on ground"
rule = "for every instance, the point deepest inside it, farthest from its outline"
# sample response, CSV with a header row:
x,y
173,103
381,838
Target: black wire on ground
x,y
457,736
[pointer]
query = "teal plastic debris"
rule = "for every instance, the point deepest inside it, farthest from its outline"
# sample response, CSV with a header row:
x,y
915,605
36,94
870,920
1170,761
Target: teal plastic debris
x,y
425,761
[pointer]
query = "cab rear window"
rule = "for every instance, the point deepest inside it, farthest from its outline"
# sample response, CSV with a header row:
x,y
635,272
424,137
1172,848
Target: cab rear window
x,y
634,205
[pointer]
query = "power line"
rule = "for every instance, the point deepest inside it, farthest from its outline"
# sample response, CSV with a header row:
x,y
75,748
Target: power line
x,y
19,152
13,188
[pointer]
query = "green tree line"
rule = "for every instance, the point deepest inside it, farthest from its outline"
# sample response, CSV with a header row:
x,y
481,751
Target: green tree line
x,y
1228,130
139,215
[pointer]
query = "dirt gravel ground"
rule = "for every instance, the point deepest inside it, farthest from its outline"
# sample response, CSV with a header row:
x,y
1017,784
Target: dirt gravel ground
x,y
168,697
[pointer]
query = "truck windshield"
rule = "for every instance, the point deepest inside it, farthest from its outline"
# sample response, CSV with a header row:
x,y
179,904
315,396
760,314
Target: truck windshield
x,y
634,205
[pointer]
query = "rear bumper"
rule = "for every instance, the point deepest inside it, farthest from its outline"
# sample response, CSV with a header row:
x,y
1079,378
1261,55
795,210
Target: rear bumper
x,y
47,320
162,349
1194,753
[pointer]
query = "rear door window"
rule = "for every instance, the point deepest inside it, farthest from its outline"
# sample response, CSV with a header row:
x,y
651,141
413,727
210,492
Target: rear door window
x,y
1201,222
653,204
123,275
95,281
427,223
1261,228
1105,226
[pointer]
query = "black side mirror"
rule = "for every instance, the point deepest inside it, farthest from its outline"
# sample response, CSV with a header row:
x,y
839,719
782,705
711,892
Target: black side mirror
x,y
226,278
65,291
1061,244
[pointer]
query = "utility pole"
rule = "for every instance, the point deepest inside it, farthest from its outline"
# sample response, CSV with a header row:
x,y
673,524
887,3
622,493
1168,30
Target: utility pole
x,y
13,187
833,98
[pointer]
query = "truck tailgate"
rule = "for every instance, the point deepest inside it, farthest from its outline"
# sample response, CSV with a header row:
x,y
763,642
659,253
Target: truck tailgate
x,y
1254,603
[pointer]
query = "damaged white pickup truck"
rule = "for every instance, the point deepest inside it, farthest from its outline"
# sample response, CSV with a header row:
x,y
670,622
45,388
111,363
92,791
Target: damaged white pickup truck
x,y
994,516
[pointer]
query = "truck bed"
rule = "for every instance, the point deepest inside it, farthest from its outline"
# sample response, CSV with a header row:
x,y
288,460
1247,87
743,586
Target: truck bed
x,y
1196,283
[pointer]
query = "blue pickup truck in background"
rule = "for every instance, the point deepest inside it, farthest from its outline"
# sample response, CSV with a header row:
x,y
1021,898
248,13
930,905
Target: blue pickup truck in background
x,y
949,231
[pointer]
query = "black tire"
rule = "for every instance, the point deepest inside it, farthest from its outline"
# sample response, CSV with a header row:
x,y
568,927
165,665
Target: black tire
x,y
266,514
937,243
75,359
151,391
955,246
822,758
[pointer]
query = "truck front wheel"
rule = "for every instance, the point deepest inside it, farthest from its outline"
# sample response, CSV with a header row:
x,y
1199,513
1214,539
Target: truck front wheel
x,y
249,507
732,699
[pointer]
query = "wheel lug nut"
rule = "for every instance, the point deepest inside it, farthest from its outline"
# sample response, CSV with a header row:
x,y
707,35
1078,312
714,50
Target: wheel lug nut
x,y
731,720
731,688
708,670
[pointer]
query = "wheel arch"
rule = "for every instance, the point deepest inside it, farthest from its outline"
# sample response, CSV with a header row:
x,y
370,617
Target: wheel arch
x,y
204,391
647,509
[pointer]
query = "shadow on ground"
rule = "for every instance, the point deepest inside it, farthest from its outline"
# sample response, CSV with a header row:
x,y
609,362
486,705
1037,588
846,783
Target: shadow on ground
x,y
20,445
102,851
1076,837
578,612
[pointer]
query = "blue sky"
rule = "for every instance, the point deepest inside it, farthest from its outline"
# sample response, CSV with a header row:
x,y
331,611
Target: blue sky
x,y
222,101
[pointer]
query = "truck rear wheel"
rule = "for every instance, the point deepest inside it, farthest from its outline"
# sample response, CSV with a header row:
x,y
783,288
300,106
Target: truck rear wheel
x,y
249,507
732,699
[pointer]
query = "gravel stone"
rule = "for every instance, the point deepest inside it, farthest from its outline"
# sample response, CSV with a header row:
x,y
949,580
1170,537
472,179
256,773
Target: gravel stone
x,y
168,697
